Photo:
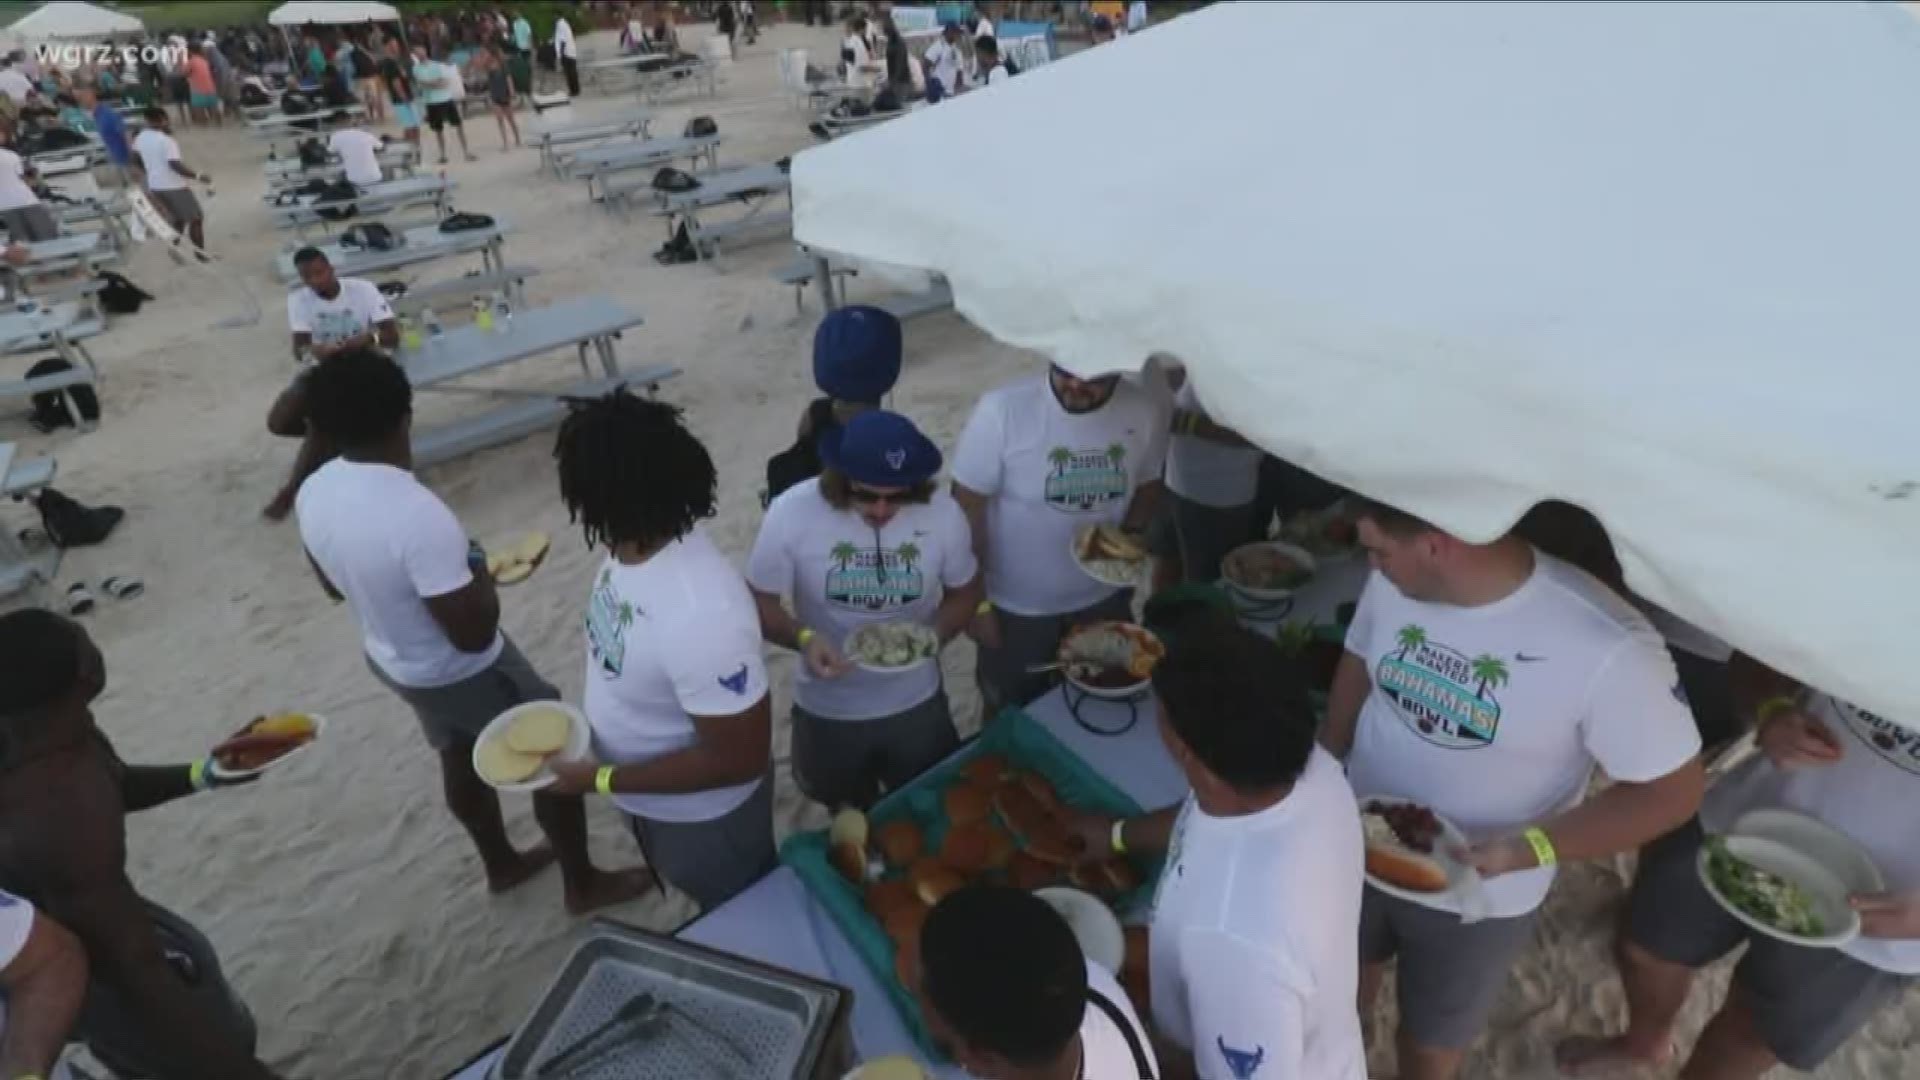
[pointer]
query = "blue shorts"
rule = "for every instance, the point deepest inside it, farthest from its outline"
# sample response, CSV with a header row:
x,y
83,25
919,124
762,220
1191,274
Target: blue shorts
x,y
204,101
407,113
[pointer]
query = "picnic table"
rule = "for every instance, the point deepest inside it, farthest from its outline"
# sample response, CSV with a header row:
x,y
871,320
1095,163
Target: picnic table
x,y
588,323
603,161
19,568
277,128
658,81
549,136
753,186
398,157
422,243
593,71
372,200
60,255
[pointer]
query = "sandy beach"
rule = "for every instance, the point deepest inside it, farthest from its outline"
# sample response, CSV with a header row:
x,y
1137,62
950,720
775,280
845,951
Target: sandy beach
x,y
346,904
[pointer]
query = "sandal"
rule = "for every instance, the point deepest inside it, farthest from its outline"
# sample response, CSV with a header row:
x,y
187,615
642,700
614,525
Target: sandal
x,y
79,598
123,588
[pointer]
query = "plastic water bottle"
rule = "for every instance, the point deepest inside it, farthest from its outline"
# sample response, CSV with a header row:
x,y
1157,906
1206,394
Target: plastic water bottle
x,y
409,335
503,311
435,332
483,314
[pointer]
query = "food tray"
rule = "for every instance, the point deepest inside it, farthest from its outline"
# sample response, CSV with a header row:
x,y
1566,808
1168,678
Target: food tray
x,y
1013,735
789,1026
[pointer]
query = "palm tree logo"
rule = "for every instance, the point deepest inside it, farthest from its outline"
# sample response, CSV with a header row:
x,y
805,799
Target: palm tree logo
x,y
1491,671
1116,454
1412,637
626,614
1059,457
908,554
843,553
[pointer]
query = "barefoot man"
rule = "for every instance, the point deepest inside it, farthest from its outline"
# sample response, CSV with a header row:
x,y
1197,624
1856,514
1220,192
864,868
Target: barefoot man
x,y
431,623
1828,759
64,799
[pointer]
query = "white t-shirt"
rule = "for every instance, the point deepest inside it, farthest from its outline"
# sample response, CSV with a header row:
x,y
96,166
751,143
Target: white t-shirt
x,y
357,308
15,84
1047,474
945,61
1872,794
359,155
842,576
14,192
16,925
859,69
673,638
984,28
999,74
563,39
1207,472
157,150
1252,961
1103,1045
1495,716
385,542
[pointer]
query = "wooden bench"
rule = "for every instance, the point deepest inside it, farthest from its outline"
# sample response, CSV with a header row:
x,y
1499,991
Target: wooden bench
x,y
523,417
452,292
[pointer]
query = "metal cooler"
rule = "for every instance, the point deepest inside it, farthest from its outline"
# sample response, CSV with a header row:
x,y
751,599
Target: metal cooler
x,y
725,1017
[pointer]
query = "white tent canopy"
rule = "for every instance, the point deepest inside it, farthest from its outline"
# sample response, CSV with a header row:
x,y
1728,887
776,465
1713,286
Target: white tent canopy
x,y
1653,259
69,20
331,13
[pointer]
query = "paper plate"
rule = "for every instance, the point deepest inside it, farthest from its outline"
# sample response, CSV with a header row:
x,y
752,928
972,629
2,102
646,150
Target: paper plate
x,y
319,732
1106,571
1844,859
1093,925
1109,693
1300,556
848,651
579,742
1825,891
1451,839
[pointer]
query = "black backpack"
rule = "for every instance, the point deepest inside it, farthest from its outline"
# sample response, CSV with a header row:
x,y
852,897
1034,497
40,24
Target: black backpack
x,y
313,153
671,179
1012,68
296,103
50,408
371,236
800,462
462,221
677,250
70,524
336,201
700,127
118,296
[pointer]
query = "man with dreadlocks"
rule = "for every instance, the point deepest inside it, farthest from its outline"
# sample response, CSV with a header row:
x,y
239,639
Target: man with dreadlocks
x,y
380,540
157,1005
675,690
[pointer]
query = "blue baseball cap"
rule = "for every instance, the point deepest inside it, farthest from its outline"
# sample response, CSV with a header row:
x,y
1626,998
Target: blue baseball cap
x,y
856,354
880,449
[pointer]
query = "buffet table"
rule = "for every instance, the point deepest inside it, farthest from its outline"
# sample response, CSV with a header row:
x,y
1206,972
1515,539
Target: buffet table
x,y
777,922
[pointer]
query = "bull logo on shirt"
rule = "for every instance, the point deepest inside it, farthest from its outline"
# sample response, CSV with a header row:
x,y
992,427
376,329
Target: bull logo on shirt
x,y
608,617
1898,745
874,579
1241,1063
1443,696
1079,481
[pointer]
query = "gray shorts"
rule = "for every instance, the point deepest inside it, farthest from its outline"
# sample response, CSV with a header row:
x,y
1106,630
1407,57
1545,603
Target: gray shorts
x,y
115,1029
1450,973
453,716
180,206
712,861
1030,640
843,763
1805,1002
30,223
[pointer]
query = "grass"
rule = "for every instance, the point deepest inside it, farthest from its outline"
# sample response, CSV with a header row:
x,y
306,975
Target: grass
x,y
200,14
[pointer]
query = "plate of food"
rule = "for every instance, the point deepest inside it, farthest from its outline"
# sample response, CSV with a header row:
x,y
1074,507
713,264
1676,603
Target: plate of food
x,y
1109,555
887,647
1410,849
1109,659
511,753
267,742
1778,890
1267,569
1838,852
515,562
1327,534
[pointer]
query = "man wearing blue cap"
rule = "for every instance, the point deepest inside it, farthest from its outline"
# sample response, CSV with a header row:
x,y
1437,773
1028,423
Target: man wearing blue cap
x,y
856,361
1041,460
871,542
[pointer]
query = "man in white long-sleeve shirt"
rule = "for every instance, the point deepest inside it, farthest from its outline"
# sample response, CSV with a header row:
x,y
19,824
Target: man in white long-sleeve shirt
x,y
567,54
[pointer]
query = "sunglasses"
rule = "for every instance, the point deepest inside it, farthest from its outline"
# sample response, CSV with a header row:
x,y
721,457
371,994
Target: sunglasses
x,y
868,498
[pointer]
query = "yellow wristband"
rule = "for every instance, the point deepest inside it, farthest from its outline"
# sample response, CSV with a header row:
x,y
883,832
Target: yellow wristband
x,y
805,635
603,780
197,775
1542,846
1773,705
985,606
1118,839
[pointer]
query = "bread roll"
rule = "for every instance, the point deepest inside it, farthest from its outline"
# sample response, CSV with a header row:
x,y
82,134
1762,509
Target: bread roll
x,y
966,802
1395,863
883,897
539,731
1026,872
903,923
899,843
933,880
502,764
1041,789
987,770
1020,810
965,847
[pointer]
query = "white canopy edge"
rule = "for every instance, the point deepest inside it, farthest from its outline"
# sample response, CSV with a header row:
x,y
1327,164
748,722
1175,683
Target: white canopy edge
x,y
1652,259
331,13
71,20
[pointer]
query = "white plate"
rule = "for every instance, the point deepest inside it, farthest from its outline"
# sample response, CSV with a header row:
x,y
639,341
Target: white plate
x,y
1298,554
848,650
1462,880
319,731
1845,859
1120,581
1823,889
1093,925
579,742
1109,693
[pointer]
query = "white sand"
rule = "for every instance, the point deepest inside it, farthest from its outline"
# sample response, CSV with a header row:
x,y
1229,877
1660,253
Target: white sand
x,y
346,903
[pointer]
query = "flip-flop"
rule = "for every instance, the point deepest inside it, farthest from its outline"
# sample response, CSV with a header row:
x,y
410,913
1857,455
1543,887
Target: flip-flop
x,y
79,598
33,537
123,588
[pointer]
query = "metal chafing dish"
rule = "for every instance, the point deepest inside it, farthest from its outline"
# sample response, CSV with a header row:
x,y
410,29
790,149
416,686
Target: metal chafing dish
x,y
632,1005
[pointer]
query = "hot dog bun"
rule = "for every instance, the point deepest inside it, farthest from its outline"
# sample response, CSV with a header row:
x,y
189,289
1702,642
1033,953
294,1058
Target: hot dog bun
x,y
1398,865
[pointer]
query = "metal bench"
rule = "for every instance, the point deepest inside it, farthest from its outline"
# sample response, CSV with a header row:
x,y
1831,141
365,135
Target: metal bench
x,y
753,186
523,417
19,569
803,269
452,292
